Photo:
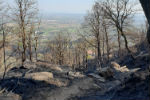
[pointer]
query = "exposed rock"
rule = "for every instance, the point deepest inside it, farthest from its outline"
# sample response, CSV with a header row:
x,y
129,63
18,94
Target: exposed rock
x,y
47,77
58,82
115,65
117,72
142,75
106,72
124,69
136,88
17,71
97,77
40,76
75,74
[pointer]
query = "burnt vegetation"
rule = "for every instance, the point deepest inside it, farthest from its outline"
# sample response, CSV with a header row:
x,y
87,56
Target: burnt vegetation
x,y
109,58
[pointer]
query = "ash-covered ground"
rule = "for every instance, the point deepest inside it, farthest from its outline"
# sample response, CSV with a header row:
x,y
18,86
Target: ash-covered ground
x,y
44,81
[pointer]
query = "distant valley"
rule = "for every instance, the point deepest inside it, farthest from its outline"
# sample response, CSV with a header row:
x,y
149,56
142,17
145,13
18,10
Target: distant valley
x,y
53,24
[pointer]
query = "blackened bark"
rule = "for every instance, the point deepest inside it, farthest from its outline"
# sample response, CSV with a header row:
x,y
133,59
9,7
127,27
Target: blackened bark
x,y
119,43
107,43
99,53
146,7
4,53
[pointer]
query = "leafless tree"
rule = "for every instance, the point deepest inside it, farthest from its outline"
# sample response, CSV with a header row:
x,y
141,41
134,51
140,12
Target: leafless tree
x,y
105,27
29,40
24,12
4,51
93,21
3,12
80,54
119,13
58,49
36,38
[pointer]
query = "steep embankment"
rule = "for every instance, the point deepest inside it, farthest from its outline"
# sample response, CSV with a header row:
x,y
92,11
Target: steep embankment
x,y
61,83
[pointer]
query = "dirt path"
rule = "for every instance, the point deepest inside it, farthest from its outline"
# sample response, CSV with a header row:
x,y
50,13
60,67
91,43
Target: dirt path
x,y
77,88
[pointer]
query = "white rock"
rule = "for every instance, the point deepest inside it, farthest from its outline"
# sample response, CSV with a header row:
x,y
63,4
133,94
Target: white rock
x,y
115,65
40,76
75,74
124,69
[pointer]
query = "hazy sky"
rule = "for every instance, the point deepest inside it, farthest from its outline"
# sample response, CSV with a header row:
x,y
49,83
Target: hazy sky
x,y
65,6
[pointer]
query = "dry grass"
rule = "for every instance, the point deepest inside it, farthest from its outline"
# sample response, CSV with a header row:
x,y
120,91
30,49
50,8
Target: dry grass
x,y
54,67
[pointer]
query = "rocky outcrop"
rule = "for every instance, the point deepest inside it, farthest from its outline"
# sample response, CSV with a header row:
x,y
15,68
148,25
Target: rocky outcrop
x,y
97,77
40,76
46,77
107,72
117,67
76,74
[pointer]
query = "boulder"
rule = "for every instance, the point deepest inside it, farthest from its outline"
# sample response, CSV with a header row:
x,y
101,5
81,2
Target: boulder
x,y
141,75
124,69
117,72
46,77
115,65
58,82
40,76
75,74
106,72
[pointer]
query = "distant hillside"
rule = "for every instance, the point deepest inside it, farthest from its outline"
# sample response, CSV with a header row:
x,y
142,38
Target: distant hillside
x,y
56,23
53,24
64,17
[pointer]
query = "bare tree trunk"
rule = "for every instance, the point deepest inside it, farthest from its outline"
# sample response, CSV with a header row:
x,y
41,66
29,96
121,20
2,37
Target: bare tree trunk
x,y
119,43
24,50
103,47
76,57
36,44
4,53
30,41
148,35
146,6
86,61
30,48
24,11
99,54
23,36
107,43
126,45
126,42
